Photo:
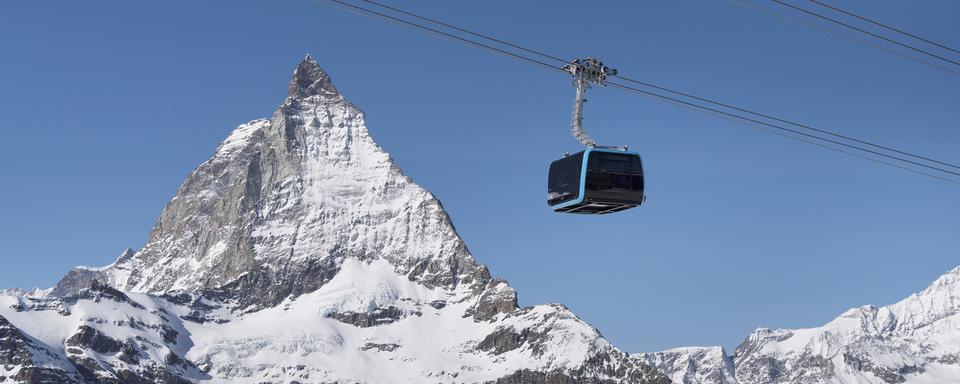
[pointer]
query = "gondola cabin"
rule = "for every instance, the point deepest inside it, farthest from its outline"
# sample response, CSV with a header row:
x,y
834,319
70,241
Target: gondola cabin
x,y
596,181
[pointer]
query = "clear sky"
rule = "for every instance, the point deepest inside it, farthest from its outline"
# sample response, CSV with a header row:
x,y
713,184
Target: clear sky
x,y
107,106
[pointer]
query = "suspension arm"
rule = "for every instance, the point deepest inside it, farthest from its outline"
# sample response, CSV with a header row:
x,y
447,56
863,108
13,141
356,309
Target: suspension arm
x,y
586,72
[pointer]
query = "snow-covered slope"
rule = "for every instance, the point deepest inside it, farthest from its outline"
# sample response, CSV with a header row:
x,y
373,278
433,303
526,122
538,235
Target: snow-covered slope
x,y
692,365
915,341
299,253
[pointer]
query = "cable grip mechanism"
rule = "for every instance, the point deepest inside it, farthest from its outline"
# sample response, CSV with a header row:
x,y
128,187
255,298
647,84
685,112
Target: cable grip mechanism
x,y
586,73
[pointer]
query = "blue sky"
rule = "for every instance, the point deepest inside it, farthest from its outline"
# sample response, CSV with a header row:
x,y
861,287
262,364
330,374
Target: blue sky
x,y
107,106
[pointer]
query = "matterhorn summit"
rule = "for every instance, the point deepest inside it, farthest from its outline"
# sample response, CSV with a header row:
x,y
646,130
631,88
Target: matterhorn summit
x,y
299,253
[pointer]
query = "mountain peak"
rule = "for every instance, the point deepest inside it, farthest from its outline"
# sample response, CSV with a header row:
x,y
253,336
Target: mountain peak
x,y
126,255
941,299
693,364
947,280
912,341
302,222
310,80
292,197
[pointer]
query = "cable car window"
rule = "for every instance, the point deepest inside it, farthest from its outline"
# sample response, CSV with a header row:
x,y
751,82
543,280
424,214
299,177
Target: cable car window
x,y
564,179
615,163
637,176
609,172
614,176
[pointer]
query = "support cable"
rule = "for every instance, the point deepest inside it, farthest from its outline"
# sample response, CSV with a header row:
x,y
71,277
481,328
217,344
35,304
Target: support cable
x,y
858,29
877,23
784,131
845,36
647,84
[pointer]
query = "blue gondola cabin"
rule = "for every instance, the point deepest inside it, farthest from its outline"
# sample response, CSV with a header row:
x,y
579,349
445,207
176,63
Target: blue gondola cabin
x,y
596,181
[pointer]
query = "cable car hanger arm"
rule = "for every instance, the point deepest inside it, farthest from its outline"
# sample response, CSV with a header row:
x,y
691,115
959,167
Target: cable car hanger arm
x,y
586,72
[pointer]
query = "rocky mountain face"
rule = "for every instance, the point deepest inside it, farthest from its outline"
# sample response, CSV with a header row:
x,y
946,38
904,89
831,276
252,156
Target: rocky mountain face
x,y
299,253
916,340
693,365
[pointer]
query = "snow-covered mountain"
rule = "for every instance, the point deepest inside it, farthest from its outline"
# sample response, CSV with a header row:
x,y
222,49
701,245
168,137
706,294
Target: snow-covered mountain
x,y
299,253
915,341
693,365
